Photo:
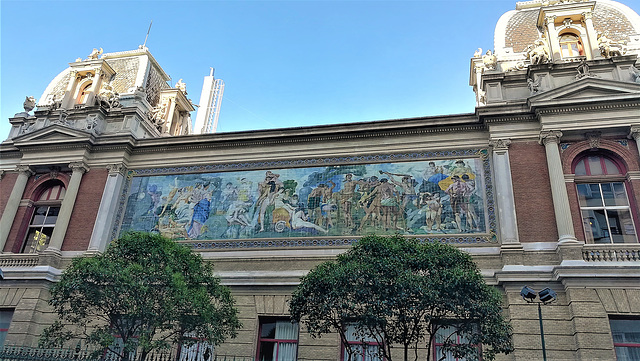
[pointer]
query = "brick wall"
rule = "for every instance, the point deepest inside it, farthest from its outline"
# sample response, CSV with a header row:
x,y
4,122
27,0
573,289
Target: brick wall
x,y
6,185
85,210
532,192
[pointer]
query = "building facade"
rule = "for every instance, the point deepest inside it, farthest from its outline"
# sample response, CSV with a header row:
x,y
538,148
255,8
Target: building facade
x,y
540,185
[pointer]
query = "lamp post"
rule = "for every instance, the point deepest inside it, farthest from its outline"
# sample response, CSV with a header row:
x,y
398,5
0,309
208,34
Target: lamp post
x,y
545,296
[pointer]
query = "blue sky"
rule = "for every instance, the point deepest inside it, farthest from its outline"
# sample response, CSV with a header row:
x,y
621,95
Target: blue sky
x,y
284,63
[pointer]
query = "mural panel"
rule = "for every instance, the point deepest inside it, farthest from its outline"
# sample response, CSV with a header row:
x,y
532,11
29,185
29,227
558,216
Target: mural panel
x,y
432,198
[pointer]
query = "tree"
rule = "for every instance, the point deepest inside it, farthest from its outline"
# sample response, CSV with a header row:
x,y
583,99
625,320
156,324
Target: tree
x,y
146,290
398,291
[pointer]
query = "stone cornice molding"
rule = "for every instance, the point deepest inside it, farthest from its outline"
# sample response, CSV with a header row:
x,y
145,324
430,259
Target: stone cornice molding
x,y
25,169
79,166
634,133
550,136
500,144
587,108
277,140
117,169
521,118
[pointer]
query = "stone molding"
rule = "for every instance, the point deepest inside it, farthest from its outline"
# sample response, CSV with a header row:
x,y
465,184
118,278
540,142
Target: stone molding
x,y
25,169
500,144
117,168
634,133
79,166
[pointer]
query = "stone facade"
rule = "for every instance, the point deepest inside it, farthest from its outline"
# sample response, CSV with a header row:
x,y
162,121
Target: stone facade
x,y
542,127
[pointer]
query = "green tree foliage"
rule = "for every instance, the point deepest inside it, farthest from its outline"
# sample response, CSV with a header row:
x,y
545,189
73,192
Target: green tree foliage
x,y
401,293
146,290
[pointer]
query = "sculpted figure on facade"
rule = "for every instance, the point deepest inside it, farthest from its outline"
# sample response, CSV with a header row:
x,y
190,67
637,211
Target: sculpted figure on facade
x,y
478,53
107,97
538,52
489,60
610,48
182,86
95,54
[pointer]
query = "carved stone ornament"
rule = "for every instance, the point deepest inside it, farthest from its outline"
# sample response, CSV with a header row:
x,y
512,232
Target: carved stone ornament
x,y
538,52
182,86
478,53
54,171
550,136
489,60
79,167
534,86
117,168
610,48
95,54
108,98
594,139
584,72
635,74
500,144
550,20
25,169
29,104
634,133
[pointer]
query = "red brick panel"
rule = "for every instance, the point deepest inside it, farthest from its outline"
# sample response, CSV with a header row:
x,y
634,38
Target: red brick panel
x,y
85,210
6,185
17,234
532,192
578,228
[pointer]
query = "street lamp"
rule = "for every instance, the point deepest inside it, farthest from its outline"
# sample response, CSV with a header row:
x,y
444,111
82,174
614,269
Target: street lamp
x,y
545,296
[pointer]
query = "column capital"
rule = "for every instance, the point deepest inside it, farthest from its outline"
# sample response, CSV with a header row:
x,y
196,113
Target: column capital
x,y
634,132
79,167
500,144
25,169
117,168
550,20
550,136
587,15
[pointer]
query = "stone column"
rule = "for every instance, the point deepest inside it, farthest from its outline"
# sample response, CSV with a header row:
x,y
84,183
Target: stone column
x,y
9,213
634,134
101,234
504,192
60,230
564,223
592,36
554,45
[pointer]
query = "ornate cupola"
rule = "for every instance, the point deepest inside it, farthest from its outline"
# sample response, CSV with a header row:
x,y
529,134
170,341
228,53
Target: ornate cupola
x,y
546,44
121,93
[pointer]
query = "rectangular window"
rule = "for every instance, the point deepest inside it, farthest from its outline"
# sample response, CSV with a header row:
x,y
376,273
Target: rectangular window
x,y
444,335
626,338
606,213
5,321
278,340
364,348
200,350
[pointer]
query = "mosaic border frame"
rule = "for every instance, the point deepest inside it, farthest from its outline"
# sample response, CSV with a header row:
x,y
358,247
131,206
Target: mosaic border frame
x,y
481,153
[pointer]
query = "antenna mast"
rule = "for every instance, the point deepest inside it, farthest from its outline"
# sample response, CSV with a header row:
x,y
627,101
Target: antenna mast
x,y
146,37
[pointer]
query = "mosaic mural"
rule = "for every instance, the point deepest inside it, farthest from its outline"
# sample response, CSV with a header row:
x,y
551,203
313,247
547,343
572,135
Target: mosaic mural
x,y
438,197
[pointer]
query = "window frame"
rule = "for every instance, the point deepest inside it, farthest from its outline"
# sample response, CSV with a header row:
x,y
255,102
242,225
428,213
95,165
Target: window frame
x,y
577,42
632,345
45,198
435,345
604,178
343,351
277,342
5,331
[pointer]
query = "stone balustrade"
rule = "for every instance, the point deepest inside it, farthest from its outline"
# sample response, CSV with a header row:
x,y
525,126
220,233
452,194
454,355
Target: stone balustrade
x,y
611,252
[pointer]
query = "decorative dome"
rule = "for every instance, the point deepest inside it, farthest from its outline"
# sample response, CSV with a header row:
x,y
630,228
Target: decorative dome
x,y
518,28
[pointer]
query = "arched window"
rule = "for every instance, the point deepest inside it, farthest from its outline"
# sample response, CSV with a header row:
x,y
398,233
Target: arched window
x,y
571,46
44,218
82,95
603,198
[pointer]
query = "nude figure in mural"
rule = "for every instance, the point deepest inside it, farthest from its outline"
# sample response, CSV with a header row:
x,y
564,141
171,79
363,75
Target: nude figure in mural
x,y
299,220
407,185
457,191
389,204
267,190
432,209
320,196
370,202
470,201
346,199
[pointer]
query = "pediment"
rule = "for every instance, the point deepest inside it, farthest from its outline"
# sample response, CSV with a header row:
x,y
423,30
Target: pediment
x,y
53,134
587,90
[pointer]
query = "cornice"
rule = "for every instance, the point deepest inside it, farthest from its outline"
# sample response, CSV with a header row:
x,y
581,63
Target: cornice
x,y
512,119
180,143
585,108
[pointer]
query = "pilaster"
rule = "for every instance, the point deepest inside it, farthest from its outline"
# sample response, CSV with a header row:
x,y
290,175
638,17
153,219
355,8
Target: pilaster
x,y
108,203
9,214
634,133
551,139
